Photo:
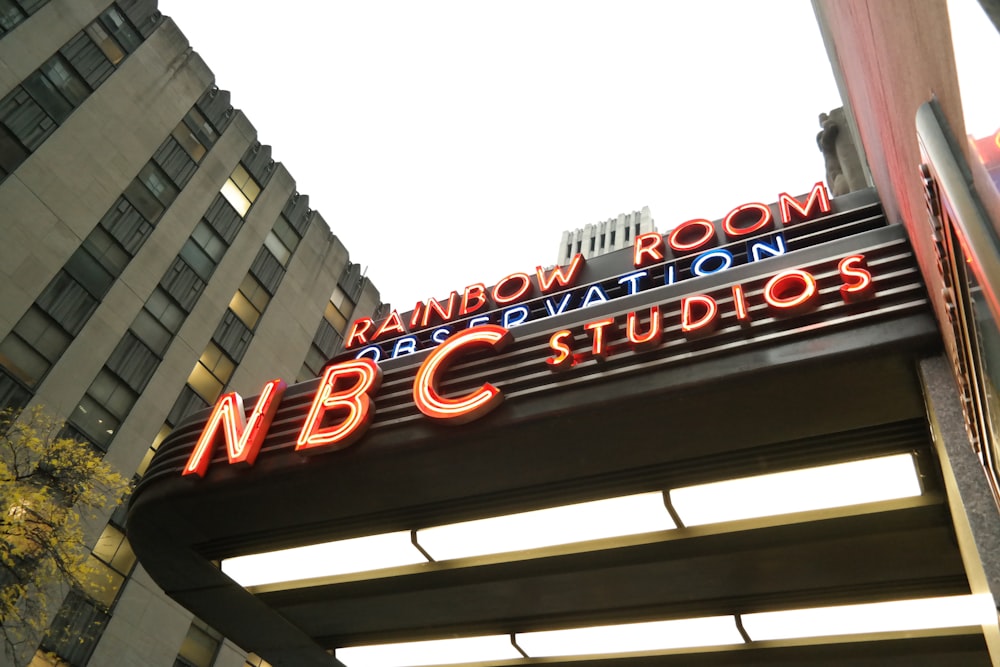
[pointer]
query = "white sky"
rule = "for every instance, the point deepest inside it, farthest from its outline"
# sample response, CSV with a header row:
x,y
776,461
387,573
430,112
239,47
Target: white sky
x,y
450,142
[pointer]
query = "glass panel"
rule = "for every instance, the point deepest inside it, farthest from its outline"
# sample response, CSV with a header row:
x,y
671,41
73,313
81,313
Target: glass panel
x,y
103,583
186,138
196,258
113,393
158,183
289,237
66,80
277,248
107,251
147,329
199,647
45,93
209,241
202,129
235,196
121,29
95,422
165,310
105,42
255,292
114,549
335,318
23,361
43,334
244,310
10,14
89,273
204,383
143,200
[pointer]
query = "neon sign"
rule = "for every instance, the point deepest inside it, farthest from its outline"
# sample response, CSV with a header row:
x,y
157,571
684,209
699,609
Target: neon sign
x,y
343,404
693,247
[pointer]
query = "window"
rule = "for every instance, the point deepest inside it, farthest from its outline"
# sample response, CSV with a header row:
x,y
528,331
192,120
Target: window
x,y
107,251
120,28
240,190
10,15
76,628
277,248
209,241
602,241
144,464
211,373
592,242
199,646
33,346
94,423
188,141
627,230
105,42
165,310
612,238
216,361
201,129
150,331
57,88
250,301
197,259
112,560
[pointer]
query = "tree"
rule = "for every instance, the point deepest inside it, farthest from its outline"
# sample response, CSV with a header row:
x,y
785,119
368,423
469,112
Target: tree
x,y
49,484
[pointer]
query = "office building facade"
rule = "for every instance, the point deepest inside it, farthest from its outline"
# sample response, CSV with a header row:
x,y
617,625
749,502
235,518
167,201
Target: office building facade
x,y
154,257
797,337
606,236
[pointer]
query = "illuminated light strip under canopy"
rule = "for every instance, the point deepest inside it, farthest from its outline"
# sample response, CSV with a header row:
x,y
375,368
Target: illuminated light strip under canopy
x,y
823,487
360,554
599,519
839,485
432,652
895,616
631,637
690,633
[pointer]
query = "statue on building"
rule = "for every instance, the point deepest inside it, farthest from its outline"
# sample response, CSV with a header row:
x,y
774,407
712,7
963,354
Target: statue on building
x,y
844,172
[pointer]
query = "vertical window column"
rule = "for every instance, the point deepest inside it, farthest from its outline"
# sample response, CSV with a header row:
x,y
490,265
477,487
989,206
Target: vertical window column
x,y
42,335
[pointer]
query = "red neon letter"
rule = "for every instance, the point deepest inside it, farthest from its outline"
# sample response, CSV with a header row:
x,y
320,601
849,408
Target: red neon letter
x,y
704,323
501,299
788,203
790,289
471,406
243,437
649,339
473,299
600,347
760,211
563,352
740,304
355,400
358,331
705,237
434,306
392,324
415,315
545,283
856,278
647,248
